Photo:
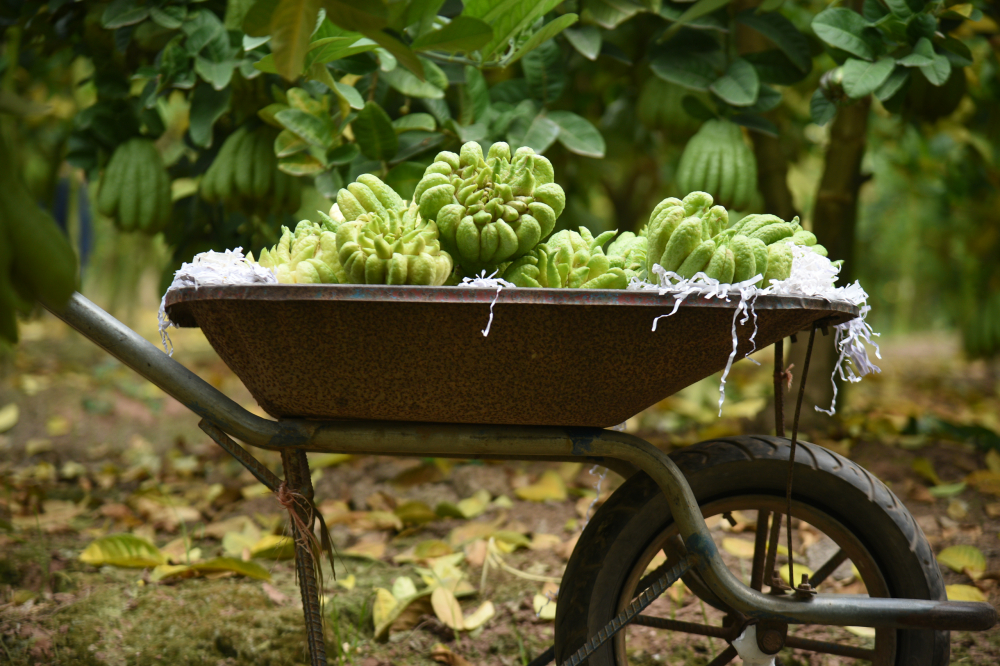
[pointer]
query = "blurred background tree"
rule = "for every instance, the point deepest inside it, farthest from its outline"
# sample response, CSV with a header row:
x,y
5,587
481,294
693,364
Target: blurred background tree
x,y
156,129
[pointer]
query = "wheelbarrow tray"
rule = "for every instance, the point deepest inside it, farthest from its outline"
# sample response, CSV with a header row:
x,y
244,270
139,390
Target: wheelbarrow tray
x,y
567,357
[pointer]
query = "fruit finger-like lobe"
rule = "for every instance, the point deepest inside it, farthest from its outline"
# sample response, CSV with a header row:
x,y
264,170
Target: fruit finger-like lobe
x,y
773,233
745,262
803,237
659,231
819,249
722,267
697,261
385,194
367,199
779,262
760,257
433,199
750,226
669,202
467,238
682,242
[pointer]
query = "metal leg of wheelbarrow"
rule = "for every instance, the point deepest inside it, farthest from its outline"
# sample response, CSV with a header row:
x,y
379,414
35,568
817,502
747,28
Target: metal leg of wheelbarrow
x,y
297,478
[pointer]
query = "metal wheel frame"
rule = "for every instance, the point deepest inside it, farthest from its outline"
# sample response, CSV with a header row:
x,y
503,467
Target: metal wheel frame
x,y
885,639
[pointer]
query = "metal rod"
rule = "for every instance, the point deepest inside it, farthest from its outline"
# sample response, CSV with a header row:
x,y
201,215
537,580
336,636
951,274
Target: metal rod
x,y
772,549
828,568
779,389
829,648
724,657
791,455
757,569
686,627
254,466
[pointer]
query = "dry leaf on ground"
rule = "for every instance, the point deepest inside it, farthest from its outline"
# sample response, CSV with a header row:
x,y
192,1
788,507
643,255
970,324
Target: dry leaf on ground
x,y
122,550
447,609
963,558
964,593
549,487
443,655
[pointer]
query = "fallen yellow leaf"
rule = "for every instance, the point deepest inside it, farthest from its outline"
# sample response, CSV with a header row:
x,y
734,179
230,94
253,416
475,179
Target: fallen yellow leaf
x,y
474,506
122,550
274,547
443,655
371,550
57,425
993,460
9,415
347,582
864,632
549,487
403,587
480,616
447,609
958,558
385,604
925,469
739,547
799,570
545,608
964,593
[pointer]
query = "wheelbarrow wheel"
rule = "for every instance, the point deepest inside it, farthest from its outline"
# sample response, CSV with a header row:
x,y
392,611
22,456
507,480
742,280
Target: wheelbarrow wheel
x,y
839,510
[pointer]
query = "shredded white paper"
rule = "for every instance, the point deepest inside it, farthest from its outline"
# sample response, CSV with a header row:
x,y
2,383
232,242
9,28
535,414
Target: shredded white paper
x,y
210,269
483,281
812,275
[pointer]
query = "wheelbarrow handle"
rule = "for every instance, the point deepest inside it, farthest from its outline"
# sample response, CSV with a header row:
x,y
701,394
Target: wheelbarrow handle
x,y
172,377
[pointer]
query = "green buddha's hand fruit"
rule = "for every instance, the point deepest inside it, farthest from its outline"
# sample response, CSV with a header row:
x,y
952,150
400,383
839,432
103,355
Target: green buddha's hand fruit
x,y
244,175
717,160
568,260
682,242
135,188
772,233
306,256
397,247
490,210
628,252
779,263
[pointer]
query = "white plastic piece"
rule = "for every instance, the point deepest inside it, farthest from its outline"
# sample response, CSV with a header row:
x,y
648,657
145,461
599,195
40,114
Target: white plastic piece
x,y
746,647
483,281
812,275
210,269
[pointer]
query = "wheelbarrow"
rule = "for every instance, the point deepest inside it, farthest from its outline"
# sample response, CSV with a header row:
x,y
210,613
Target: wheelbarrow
x,y
405,371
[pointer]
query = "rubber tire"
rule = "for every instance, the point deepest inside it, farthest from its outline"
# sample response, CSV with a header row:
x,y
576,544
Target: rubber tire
x,y
751,465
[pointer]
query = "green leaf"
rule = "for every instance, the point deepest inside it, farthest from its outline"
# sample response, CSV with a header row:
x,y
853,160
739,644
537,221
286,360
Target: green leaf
x,y
301,164
962,557
922,55
609,14
404,178
783,33
350,95
475,95
219,74
207,106
234,565
697,109
586,39
408,84
336,48
740,84
541,134
545,73
507,18
947,489
689,70
899,8
288,143
770,5
414,121
821,109
548,31
317,130
122,550
938,72
464,33
767,99
357,16
292,25
922,25
873,10
434,74
578,134
701,8
257,22
374,133
957,52
774,67
861,78
755,123
841,28
896,80
121,13
420,14
344,154
399,50
170,18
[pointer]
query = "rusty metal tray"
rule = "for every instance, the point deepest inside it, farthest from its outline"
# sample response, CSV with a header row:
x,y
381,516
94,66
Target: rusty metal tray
x,y
565,357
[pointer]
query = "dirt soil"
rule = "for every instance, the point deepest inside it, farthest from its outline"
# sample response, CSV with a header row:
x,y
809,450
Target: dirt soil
x,y
91,451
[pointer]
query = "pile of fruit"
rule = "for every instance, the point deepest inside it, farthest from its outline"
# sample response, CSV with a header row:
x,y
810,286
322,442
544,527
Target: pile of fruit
x,y
496,213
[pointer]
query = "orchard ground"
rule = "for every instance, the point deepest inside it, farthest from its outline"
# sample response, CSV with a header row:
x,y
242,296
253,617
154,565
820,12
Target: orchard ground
x,y
91,450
